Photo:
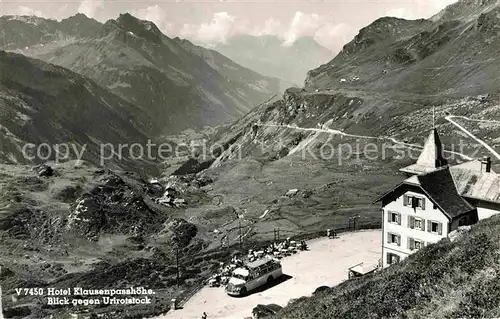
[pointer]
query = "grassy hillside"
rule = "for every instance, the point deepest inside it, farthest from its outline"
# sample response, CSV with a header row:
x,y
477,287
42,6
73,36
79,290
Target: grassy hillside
x,y
44,103
457,279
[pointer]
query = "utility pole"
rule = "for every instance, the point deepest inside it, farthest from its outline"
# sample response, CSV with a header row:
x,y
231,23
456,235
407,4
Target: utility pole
x,y
241,238
177,264
433,117
276,234
1,309
240,216
353,218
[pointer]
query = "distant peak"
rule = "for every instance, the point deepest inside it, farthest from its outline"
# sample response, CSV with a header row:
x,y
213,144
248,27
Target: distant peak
x,y
309,41
78,17
141,28
129,21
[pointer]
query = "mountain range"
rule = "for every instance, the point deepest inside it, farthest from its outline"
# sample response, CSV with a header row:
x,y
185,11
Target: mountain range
x,y
388,79
269,55
168,80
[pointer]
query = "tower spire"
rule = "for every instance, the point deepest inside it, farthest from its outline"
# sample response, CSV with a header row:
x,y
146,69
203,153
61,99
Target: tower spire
x,y
433,117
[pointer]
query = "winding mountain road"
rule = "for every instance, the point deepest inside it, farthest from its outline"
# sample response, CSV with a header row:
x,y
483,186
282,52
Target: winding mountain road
x,y
338,132
449,118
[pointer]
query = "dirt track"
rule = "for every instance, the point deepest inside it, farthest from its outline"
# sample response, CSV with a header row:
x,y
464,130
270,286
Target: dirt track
x,y
326,263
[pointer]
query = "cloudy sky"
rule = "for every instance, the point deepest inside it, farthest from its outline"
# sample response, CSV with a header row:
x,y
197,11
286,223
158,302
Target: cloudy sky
x,y
331,22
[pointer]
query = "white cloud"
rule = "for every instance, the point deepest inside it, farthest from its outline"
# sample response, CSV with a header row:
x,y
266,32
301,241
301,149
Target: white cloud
x,y
156,15
222,26
28,11
419,9
302,25
328,34
335,36
271,27
218,30
400,13
24,11
89,7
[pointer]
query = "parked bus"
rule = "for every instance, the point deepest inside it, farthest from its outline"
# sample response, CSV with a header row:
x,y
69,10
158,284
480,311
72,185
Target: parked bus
x,y
252,276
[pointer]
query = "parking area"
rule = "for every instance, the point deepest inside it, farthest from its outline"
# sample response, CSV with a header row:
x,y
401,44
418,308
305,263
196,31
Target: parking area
x,y
325,263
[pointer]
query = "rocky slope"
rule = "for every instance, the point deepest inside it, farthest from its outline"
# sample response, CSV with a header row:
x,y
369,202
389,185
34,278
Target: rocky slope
x,y
267,55
171,84
397,66
43,103
94,228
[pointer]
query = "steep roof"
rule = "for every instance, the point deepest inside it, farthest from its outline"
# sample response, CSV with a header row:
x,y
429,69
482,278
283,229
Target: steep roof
x,y
431,158
449,185
472,182
440,187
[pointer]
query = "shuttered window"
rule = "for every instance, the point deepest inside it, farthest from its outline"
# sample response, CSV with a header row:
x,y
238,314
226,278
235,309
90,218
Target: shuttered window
x,y
416,223
419,244
394,217
411,222
435,227
422,203
411,243
394,239
414,202
392,258
422,224
415,244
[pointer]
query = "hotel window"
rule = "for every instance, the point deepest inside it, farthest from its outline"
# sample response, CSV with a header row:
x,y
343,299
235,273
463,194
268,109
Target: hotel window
x,y
414,202
392,258
394,217
416,223
415,244
463,221
394,239
434,227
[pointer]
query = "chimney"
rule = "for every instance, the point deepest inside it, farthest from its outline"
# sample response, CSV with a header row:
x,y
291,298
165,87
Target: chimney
x,y
486,164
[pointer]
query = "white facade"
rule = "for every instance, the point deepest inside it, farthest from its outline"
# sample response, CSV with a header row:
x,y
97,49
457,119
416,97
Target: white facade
x,y
406,227
483,212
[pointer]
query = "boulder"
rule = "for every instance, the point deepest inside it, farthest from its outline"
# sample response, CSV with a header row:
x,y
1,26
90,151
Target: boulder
x,y
265,311
459,232
44,171
320,290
